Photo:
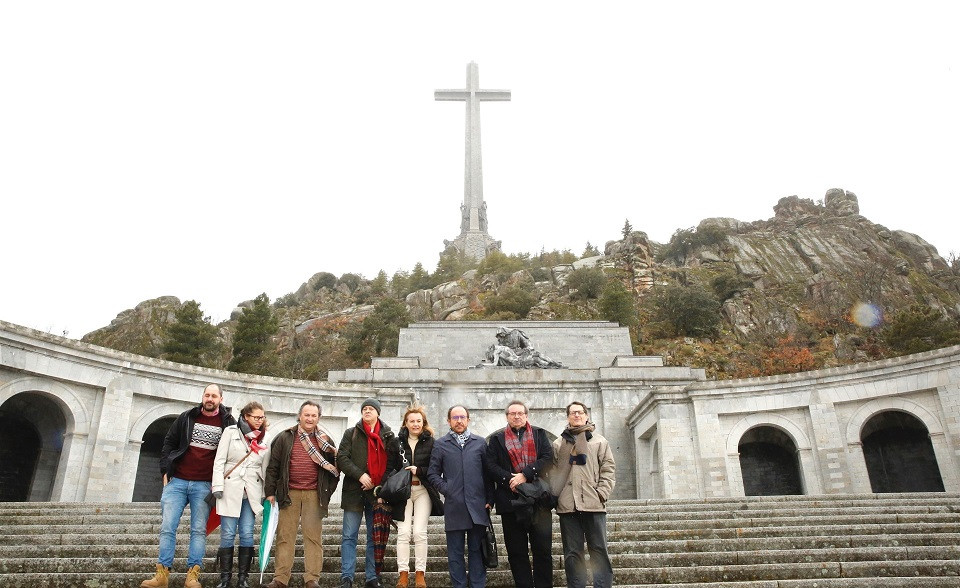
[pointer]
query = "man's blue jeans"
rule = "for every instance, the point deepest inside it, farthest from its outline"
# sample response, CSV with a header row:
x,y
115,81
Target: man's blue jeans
x,y
228,527
590,527
348,544
176,495
458,571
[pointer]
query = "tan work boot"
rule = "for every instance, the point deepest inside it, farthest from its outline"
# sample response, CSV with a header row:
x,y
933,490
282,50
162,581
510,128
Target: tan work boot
x,y
159,580
404,580
193,578
419,581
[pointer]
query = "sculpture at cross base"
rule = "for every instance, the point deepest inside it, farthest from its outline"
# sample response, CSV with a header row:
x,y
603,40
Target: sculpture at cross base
x,y
513,349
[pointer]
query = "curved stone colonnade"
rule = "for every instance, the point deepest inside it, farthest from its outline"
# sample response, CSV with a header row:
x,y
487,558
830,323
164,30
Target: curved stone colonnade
x,y
91,407
905,410
80,422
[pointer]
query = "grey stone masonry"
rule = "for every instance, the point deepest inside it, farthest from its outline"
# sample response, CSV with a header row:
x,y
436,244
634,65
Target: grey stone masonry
x,y
854,541
474,240
462,344
675,434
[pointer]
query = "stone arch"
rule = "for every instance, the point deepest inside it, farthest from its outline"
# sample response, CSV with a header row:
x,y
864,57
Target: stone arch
x,y
899,455
769,462
141,450
150,416
33,436
73,407
656,476
808,471
878,405
147,485
856,458
748,422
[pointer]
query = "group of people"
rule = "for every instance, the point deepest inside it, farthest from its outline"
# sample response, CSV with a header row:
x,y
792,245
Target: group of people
x,y
211,461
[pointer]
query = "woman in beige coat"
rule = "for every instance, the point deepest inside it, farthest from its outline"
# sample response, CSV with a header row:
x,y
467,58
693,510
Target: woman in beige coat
x,y
238,473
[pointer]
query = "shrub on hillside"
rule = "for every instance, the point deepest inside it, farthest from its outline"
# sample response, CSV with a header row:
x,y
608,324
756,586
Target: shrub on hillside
x,y
588,282
920,328
510,303
683,311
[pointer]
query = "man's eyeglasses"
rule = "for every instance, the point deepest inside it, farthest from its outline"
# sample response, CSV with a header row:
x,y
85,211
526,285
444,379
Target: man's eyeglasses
x,y
577,412
459,417
516,414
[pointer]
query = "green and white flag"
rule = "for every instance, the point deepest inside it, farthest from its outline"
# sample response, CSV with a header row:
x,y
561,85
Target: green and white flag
x,y
268,532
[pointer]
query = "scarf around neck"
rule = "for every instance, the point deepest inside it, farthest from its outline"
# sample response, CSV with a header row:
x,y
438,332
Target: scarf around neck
x,y
376,453
523,452
314,445
570,453
579,435
461,437
252,437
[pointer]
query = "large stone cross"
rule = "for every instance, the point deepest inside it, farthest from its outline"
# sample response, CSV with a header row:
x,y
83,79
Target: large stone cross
x,y
473,218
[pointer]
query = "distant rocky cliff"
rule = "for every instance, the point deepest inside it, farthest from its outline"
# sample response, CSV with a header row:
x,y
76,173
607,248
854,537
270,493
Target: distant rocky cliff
x,y
799,275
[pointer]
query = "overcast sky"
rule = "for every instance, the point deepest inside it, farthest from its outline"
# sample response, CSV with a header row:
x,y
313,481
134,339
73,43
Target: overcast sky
x,y
216,150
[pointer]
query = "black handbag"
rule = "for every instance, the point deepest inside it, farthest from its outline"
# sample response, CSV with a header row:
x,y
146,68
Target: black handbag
x,y
488,548
396,488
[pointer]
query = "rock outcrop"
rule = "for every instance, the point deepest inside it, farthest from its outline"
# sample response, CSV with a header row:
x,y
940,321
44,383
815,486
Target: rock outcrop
x,y
140,329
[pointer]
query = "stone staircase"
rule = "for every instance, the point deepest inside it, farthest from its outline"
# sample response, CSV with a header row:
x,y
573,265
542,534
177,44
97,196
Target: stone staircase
x,y
851,541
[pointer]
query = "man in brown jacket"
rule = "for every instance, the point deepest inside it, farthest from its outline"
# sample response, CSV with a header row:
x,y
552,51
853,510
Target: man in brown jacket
x,y
301,477
583,482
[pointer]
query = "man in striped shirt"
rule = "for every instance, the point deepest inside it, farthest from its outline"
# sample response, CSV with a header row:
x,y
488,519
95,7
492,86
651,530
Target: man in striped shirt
x,y
301,477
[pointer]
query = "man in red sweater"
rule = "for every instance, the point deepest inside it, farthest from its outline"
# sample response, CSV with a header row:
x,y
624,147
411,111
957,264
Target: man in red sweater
x,y
186,462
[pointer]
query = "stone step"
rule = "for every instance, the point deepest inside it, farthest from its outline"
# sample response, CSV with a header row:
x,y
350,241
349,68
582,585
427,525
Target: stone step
x,y
642,539
120,561
928,574
782,542
644,505
135,517
437,548
614,523
889,582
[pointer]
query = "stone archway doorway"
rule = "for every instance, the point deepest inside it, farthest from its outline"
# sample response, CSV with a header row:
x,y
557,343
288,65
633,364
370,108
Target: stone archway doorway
x,y
32,427
899,454
769,463
148,485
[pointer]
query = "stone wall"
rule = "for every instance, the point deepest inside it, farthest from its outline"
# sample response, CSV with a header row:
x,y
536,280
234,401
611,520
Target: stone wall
x,y
674,434
456,344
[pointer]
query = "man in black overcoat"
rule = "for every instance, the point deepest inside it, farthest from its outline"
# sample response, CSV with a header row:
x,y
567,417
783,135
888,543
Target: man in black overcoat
x,y
516,458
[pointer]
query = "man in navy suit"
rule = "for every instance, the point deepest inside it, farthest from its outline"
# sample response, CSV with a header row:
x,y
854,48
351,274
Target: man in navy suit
x,y
457,467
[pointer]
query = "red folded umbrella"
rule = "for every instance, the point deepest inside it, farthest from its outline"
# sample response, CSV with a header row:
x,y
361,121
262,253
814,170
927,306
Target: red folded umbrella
x,y
213,521
382,517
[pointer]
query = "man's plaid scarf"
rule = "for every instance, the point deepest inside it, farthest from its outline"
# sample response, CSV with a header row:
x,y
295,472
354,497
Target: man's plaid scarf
x,y
522,453
314,450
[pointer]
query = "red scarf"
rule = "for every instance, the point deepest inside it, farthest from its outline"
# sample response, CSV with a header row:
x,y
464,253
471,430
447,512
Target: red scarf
x,y
522,453
376,453
255,437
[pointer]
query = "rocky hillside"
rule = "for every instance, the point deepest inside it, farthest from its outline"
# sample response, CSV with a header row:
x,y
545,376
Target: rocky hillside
x,y
814,286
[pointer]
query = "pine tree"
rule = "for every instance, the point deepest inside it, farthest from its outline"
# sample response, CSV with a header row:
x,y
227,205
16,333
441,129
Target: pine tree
x,y
191,338
419,278
251,342
378,287
617,305
379,333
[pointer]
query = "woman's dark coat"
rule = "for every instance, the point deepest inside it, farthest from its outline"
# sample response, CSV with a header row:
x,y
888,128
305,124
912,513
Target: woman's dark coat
x,y
421,459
